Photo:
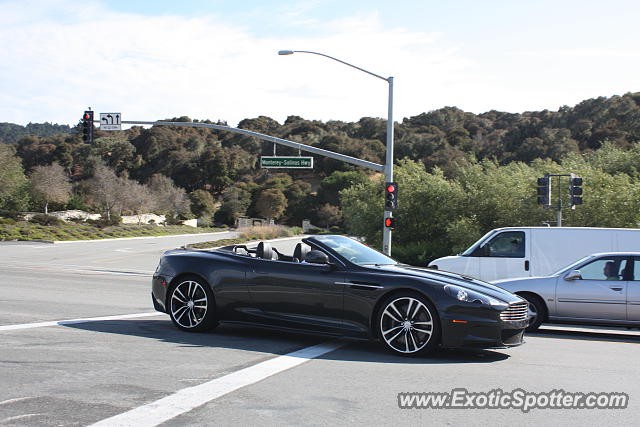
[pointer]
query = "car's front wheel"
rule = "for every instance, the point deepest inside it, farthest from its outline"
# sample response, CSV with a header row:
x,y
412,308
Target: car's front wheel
x,y
537,311
191,305
408,325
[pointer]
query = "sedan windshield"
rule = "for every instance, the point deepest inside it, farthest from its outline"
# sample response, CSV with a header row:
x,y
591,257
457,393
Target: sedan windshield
x,y
354,251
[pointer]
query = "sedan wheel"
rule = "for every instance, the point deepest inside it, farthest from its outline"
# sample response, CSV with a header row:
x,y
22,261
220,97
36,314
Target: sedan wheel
x,y
536,312
408,325
191,305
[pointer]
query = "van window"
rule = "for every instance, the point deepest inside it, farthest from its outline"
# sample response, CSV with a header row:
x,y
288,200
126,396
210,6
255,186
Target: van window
x,y
509,244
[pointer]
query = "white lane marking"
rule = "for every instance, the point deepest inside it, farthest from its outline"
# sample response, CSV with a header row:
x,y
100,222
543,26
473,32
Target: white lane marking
x,y
76,269
17,399
58,242
19,417
74,321
185,400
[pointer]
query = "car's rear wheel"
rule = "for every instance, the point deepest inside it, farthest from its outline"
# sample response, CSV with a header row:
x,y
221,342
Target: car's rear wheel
x,y
408,325
191,305
537,311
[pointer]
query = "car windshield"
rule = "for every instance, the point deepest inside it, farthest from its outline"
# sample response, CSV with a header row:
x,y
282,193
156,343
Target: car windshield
x,y
478,243
572,265
354,251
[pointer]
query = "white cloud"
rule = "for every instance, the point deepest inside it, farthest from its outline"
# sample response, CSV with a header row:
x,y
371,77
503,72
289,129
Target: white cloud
x,y
157,67
57,58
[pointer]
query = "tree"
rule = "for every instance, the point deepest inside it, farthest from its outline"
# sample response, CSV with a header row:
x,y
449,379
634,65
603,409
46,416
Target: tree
x,y
202,203
236,201
329,215
105,189
13,184
336,182
169,199
271,203
136,198
51,184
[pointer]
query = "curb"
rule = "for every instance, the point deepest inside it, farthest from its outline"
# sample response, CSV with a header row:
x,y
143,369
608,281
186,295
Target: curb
x,y
59,242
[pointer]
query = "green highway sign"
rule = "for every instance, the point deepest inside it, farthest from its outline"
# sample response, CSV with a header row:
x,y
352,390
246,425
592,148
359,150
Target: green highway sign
x,y
286,162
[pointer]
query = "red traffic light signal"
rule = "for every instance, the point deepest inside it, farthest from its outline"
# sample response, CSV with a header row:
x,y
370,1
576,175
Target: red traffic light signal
x,y
391,196
390,223
87,126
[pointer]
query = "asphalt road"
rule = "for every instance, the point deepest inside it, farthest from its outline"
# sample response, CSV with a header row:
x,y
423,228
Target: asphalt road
x,y
79,373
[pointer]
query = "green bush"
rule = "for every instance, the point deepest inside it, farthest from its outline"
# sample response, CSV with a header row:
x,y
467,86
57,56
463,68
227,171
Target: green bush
x,y
46,220
105,222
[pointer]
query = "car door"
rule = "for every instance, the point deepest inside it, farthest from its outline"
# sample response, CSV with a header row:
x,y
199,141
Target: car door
x,y
599,294
633,292
504,256
299,295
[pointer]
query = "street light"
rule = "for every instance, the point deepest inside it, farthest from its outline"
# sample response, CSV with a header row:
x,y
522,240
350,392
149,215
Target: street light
x,y
388,167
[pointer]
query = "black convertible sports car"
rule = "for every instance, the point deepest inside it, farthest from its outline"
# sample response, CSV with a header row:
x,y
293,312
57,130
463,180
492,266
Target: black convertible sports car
x,y
335,285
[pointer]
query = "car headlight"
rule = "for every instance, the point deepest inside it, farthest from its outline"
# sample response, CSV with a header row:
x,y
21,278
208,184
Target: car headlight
x,y
466,295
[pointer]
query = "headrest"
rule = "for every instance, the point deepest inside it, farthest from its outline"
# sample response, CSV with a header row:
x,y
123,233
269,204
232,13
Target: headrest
x,y
300,251
264,250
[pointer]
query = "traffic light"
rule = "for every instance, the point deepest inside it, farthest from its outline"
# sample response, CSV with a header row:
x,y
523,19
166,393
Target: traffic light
x,y
390,223
575,190
544,191
391,196
87,127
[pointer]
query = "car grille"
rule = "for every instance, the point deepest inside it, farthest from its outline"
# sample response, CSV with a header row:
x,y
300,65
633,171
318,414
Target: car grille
x,y
515,311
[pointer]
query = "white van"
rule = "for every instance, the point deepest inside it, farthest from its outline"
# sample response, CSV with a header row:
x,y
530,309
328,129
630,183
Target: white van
x,y
511,252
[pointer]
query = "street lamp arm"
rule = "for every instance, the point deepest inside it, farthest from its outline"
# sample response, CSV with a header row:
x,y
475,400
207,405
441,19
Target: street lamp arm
x,y
289,52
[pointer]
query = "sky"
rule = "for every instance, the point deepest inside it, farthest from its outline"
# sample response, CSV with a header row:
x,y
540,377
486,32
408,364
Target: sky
x,y
218,59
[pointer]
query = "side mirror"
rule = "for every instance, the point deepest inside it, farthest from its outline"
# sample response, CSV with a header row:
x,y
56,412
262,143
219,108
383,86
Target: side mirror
x,y
316,257
574,275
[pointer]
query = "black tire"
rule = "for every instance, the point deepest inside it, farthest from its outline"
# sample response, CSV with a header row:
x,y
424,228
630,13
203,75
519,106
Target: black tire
x,y
191,305
408,324
537,311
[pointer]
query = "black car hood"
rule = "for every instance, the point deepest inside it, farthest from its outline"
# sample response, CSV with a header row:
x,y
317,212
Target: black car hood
x,y
447,278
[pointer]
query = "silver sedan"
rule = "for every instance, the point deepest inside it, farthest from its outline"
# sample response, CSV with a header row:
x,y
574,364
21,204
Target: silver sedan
x,y
601,289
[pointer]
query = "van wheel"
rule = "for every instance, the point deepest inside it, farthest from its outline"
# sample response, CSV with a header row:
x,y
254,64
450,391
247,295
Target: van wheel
x,y
537,311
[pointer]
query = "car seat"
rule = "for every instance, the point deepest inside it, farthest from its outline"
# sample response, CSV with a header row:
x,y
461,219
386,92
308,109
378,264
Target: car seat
x,y
264,251
300,252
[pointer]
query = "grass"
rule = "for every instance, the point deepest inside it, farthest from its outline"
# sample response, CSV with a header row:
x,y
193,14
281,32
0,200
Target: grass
x,y
249,234
80,231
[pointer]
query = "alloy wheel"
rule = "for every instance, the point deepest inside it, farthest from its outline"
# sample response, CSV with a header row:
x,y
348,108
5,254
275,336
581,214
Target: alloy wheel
x,y
406,325
189,304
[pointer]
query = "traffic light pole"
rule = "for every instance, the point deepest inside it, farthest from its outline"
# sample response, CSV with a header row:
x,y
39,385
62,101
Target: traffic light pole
x,y
388,170
298,146
559,205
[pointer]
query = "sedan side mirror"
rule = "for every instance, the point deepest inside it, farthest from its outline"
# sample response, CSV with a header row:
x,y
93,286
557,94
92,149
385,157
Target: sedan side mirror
x,y
574,275
316,257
